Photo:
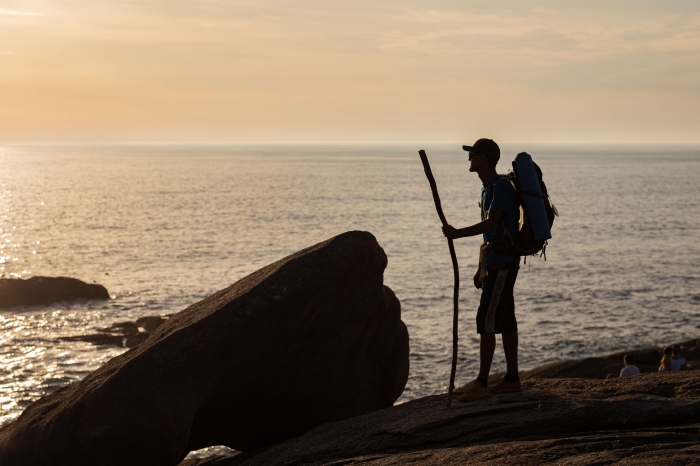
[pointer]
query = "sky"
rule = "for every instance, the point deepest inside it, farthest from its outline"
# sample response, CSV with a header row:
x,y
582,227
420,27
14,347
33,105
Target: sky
x,y
350,71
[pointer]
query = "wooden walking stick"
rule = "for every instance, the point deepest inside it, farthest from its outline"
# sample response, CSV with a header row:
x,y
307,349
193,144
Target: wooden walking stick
x,y
455,267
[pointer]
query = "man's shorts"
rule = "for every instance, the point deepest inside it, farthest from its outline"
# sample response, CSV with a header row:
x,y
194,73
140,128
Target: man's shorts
x,y
497,308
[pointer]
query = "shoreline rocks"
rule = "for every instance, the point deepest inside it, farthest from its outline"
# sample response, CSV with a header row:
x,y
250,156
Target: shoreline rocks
x,y
647,419
34,291
570,378
313,338
123,334
646,359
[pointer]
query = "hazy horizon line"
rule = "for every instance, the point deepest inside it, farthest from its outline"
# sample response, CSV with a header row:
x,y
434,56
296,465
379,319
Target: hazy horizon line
x,y
346,143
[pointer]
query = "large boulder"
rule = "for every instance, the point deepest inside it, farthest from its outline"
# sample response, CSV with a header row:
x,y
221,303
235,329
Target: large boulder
x,y
45,290
312,338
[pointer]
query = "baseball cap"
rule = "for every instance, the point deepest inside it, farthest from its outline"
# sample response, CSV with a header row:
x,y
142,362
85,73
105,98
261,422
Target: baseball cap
x,y
486,147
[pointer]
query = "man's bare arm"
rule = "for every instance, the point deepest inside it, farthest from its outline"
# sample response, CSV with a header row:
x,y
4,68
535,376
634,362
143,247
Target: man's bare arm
x,y
492,219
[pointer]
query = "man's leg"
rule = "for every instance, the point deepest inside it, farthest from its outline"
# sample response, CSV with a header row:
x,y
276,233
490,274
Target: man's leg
x,y
485,322
479,387
511,381
510,348
509,333
486,350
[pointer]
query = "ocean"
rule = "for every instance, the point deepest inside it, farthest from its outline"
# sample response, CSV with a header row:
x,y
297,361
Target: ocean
x,y
163,226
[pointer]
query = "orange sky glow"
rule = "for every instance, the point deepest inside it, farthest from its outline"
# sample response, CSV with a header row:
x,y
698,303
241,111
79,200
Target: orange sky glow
x,y
312,70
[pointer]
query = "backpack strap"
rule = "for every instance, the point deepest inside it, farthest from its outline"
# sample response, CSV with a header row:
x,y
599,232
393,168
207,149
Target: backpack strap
x,y
489,191
506,233
529,193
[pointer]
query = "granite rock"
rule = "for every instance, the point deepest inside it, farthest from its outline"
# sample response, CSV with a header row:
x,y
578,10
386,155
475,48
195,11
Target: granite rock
x,y
648,419
313,338
35,291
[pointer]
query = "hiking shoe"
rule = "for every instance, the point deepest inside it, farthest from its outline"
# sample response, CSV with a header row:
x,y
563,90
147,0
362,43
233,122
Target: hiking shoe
x,y
505,387
463,388
472,391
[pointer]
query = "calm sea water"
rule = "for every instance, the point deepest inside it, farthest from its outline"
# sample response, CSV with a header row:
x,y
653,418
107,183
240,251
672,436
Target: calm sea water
x,y
163,226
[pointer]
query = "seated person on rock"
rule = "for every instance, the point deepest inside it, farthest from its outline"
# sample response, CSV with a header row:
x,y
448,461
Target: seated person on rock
x,y
677,361
666,360
630,368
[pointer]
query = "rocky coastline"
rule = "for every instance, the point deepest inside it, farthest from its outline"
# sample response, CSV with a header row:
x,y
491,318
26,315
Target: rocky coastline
x,y
648,419
567,412
123,334
313,338
647,359
302,361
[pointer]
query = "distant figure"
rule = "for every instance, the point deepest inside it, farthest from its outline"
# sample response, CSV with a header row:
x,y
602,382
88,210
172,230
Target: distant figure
x,y
630,368
666,360
610,376
496,314
677,361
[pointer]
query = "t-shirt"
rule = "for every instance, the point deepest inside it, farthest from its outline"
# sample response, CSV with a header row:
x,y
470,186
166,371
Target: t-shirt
x,y
677,363
505,199
629,370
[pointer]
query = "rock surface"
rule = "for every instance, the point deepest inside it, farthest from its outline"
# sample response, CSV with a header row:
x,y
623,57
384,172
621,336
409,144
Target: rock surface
x,y
122,334
98,339
647,359
647,419
310,339
150,323
45,290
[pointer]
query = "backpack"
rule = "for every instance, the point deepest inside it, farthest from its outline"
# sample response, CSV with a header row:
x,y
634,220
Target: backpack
x,y
523,243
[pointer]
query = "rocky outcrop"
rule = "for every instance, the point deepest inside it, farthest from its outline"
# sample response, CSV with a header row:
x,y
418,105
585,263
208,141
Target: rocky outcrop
x,y
647,359
98,339
45,290
310,339
150,323
647,419
122,334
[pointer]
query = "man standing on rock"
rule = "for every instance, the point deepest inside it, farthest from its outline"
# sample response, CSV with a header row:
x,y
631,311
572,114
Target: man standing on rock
x,y
496,274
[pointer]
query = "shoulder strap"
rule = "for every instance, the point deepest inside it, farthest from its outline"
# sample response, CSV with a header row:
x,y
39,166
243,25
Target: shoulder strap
x,y
500,178
489,191
530,193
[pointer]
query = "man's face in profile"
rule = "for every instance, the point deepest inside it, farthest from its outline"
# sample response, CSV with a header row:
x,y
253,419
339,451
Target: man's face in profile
x,y
477,161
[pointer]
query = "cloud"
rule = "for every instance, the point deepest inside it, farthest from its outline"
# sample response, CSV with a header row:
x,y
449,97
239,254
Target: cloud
x,y
558,36
682,41
6,12
244,68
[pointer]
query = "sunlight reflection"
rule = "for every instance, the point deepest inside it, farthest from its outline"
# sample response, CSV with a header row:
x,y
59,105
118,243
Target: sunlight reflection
x,y
33,362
